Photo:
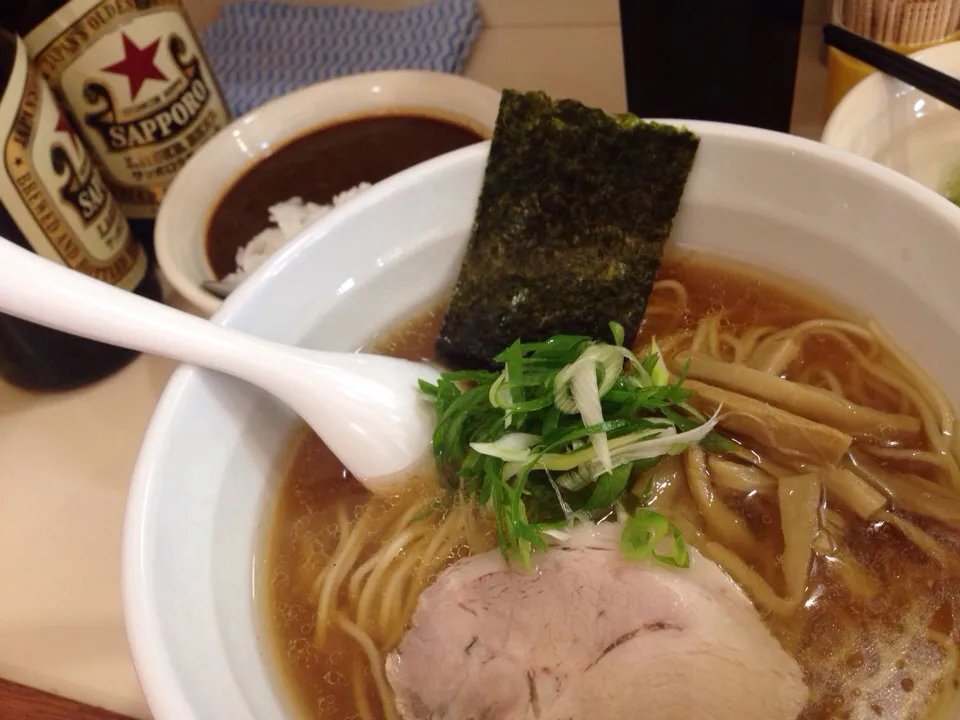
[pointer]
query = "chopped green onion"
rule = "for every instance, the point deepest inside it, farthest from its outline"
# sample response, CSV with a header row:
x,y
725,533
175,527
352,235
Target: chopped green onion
x,y
586,393
607,359
499,394
553,437
512,447
616,329
649,534
609,487
659,374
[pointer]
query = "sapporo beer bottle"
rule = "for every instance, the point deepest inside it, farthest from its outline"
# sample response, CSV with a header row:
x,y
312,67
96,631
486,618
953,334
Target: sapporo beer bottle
x,y
54,202
135,78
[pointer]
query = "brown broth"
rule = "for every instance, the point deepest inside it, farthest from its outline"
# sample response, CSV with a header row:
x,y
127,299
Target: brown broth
x,y
316,678
321,164
911,589
850,648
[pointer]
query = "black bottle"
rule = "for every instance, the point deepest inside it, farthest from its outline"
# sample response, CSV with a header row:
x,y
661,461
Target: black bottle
x,y
54,202
134,77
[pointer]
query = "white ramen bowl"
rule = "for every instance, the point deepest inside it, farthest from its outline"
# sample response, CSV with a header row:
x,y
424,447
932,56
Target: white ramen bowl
x,y
894,124
181,231
868,236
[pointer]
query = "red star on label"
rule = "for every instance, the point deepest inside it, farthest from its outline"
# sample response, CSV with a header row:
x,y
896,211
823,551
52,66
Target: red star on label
x,y
137,64
65,126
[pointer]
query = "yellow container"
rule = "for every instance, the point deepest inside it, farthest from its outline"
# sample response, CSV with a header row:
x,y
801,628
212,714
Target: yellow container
x,y
843,71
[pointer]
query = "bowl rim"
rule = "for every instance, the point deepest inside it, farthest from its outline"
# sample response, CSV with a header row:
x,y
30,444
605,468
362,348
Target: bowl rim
x,y
272,111
158,676
870,89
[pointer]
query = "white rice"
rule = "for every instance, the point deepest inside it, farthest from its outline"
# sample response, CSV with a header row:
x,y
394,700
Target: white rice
x,y
287,219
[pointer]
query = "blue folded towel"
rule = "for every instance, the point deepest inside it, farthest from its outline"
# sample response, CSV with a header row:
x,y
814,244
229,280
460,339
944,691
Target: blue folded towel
x,y
260,49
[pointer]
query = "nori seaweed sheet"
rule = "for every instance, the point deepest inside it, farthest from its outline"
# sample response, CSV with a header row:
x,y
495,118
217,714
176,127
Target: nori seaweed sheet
x,y
574,212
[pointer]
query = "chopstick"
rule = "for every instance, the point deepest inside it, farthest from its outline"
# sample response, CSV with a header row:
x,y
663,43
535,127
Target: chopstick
x,y
922,77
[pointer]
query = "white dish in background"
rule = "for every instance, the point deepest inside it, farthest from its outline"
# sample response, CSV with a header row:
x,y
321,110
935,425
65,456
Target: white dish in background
x,y
894,124
204,482
181,229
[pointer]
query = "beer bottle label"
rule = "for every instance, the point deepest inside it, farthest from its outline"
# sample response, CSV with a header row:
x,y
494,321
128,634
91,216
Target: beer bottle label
x,y
52,189
135,78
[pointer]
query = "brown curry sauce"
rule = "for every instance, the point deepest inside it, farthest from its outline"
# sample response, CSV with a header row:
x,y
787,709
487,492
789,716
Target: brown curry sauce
x,y
322,163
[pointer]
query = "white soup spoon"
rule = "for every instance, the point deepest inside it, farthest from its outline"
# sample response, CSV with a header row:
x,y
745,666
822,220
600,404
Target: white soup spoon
x,y
368,409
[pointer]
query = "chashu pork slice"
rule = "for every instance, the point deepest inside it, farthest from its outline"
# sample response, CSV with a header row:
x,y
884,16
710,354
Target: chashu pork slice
x,y
589,635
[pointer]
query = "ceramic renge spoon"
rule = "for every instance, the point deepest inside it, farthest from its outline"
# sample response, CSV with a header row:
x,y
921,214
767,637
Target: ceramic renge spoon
x,y
368,409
